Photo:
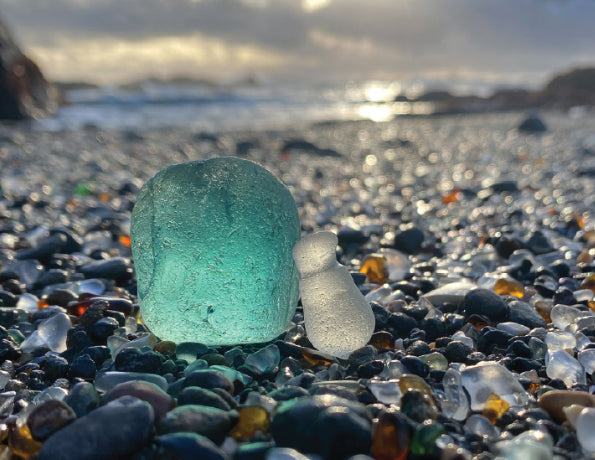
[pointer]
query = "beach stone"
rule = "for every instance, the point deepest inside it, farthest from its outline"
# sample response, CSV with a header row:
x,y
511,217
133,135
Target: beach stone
x,y
409,240
294,420
159,400
117,268
485,303
203,397
83,398
219,234
49,417
115,430
523,313
532,124
189,446
207,421
555,401
209,380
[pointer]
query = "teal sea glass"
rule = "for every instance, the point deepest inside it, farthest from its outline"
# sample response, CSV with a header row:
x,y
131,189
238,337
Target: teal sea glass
x,y
212,245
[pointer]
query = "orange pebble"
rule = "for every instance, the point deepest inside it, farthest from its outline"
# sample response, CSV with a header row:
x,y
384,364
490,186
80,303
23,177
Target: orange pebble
x,y
494,408
252,419
509,286
382,340
391,437
124,240
375,268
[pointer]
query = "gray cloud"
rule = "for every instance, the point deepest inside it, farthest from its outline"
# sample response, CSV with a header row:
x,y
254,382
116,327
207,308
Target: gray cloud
x,y
407,36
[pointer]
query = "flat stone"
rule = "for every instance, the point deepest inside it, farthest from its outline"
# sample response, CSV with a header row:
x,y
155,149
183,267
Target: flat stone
x,y
159,400
555,401
115,430
207,421
212,246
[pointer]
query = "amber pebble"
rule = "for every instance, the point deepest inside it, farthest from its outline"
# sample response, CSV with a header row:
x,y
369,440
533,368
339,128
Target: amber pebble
x,y
494,408
589,237
115,303
555,400
544,309
124,240
585,257
414,382
382,340
589,282
252,419
452,197
375,268
509,286
479,321
165,347
21,442
42,303
391,436
49,417
316,358
533,386
104,197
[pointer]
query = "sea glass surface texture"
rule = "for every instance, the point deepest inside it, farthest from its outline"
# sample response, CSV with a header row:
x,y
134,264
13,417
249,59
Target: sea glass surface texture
x,y
337,317
212,244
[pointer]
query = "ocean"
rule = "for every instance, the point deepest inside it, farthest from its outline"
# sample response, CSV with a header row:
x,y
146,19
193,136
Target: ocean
x,y
210,107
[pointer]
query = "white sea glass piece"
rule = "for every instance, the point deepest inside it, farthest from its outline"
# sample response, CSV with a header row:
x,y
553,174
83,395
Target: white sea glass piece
x,y
337,317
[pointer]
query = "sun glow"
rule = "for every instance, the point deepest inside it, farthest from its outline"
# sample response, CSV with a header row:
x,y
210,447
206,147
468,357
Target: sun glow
x,y
313,5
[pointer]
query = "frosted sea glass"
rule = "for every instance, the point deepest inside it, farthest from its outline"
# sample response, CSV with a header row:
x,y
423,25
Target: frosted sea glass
x,y
212,246
338,318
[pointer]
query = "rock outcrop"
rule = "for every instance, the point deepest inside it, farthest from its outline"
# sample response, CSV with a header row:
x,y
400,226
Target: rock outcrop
x,y
24,92
564,91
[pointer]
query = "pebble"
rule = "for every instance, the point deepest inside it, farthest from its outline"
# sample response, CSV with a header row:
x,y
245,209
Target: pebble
x,y
188,446
207,421
49,417
555,401
293,423
120,428
208,379
484,302
159,400
203,397
83,398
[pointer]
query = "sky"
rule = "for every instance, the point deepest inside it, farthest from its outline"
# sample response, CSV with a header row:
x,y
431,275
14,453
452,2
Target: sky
x,y
108,41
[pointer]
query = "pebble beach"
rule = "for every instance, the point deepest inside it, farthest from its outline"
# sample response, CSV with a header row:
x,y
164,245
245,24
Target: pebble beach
x,y
473,241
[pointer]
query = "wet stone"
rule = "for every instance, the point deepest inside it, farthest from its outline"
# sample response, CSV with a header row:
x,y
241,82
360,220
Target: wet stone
x,y
134,360
203,397
209,380
418,406
207,421
159,400
556,400
120,428
294,420
457,351
83,398
486,303
49,417
188,446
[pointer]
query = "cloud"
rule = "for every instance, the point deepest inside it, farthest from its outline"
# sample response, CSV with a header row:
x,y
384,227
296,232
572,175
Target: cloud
x,y
348,38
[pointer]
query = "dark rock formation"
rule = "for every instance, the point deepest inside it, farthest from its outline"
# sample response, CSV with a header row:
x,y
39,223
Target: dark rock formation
x,y
564,91
24,92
